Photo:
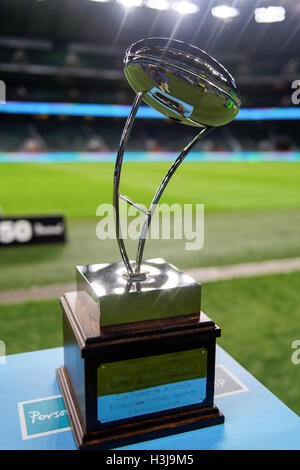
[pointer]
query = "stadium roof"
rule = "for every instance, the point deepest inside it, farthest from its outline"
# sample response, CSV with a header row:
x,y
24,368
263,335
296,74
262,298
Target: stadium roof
x,y
109,24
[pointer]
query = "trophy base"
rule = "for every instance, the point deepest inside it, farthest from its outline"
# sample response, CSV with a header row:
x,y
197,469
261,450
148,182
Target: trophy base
x,y
127,383
165,292
130,433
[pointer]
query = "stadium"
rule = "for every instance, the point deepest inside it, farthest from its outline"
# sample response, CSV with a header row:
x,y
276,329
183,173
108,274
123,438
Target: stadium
x,y
63,105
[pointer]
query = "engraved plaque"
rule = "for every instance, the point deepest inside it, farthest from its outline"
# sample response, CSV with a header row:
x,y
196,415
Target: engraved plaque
x,y
151,384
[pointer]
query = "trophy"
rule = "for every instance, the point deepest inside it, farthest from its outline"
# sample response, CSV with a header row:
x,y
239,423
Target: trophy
x,y
139,355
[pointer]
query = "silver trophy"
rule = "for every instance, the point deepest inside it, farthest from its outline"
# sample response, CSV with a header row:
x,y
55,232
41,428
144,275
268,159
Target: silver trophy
x,y
187,85
139,359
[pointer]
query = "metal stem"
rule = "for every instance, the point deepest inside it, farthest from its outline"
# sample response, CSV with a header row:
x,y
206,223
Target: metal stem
x,y
159,193
136,274
117,175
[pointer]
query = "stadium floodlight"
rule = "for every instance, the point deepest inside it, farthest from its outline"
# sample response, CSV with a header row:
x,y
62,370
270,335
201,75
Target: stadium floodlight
x,y
158,4
185,7
130,3
270,14
225,12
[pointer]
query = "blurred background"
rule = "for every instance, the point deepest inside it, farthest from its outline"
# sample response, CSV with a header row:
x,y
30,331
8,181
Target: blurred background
x,y
66,103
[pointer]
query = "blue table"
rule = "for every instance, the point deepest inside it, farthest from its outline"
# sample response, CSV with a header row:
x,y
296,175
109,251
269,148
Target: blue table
x,y
33,414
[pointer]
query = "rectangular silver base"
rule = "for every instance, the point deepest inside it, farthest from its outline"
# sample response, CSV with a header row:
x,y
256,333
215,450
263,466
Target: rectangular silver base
x,y
166,292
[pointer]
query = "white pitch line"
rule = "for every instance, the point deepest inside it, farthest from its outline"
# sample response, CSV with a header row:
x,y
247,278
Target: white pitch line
x,y
209,274
260,268
50,291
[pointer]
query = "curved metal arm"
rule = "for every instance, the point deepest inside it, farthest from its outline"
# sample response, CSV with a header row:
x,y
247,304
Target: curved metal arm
x,y
136,274
160,191
117,175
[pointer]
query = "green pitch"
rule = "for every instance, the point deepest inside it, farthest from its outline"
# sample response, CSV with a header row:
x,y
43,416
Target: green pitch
x,y
251,214
229,237
259,318
76,189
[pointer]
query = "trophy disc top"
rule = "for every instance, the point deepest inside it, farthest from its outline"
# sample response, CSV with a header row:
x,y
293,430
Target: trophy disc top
x,y
182,82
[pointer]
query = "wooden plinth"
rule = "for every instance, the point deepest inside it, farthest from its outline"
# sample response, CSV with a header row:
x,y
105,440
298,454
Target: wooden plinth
x,y
86,346
130,433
